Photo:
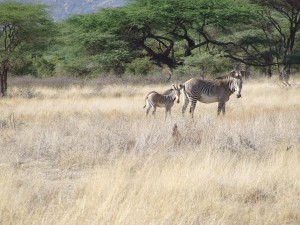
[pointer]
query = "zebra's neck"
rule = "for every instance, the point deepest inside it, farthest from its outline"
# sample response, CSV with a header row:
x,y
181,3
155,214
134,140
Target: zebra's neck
x,y
171,96
231,85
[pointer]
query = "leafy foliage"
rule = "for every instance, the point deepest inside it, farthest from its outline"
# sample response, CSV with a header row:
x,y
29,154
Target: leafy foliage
x,y
164,31
139,66
203,36
24,30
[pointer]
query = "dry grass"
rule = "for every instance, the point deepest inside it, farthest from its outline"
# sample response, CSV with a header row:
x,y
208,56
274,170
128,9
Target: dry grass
x,y
86,154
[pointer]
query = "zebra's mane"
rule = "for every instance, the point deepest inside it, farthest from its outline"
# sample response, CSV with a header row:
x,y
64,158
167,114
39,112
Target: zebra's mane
x,y
226,77
231,76
167,92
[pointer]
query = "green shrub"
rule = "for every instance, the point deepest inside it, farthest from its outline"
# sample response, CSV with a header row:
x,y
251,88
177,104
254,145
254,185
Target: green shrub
x,y
206,64
139,66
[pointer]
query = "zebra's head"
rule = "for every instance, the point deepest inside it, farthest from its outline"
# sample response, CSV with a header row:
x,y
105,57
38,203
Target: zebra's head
x,y
176,91
237,82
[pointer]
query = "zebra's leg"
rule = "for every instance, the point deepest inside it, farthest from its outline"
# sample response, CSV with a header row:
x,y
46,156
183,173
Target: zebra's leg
x,y
148,109
166,113
193,106
154,110
168,110
221,107
185,103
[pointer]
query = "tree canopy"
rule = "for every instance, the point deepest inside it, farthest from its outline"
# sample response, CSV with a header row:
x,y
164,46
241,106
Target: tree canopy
x,y
22,27
201,35
165,31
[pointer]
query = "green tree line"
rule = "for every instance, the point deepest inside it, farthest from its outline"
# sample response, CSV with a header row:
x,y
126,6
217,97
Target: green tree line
x,y
204,36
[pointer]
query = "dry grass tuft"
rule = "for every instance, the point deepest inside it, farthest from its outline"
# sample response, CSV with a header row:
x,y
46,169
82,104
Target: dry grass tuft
x,y
82,154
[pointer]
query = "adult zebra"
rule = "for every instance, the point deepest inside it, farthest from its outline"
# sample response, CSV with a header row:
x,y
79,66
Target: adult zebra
x,y
209,91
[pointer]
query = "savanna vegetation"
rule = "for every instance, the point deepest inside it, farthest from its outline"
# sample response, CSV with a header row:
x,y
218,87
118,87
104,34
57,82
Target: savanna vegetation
x,y
76,147
84,153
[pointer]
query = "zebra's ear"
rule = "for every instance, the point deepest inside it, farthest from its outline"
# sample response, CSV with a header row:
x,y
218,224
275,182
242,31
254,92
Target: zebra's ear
x,y
174,87
232,73
239,74
236,74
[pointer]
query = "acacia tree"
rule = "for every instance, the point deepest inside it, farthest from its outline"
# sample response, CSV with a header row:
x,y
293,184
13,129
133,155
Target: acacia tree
x,y
21,25
164,26
265,40
283,20
261,33
92,41
166,31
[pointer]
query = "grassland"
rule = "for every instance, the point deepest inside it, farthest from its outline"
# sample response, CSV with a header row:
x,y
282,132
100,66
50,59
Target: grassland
x,y
84,153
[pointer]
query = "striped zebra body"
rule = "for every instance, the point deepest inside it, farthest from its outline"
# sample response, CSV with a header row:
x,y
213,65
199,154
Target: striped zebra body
x,y
165,100
210,91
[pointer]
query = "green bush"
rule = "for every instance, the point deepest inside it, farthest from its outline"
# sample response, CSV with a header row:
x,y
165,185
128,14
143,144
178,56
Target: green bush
x,y
44,67
139,66
207,64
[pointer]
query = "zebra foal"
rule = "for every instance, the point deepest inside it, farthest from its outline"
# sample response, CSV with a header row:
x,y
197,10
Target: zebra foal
x,y
209,91
166,100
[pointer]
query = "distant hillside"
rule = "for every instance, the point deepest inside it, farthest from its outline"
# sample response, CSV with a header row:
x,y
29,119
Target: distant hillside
x,y
61,9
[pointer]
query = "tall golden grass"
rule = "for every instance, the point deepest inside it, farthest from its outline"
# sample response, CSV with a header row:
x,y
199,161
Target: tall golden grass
x,y
86,154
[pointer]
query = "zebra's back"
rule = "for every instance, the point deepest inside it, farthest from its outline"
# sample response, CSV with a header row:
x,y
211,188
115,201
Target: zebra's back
x,y
159,100
203,90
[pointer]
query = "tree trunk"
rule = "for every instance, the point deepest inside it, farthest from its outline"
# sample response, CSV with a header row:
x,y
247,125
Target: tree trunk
x,y
285,74
2,84
269,71
3,77
247,72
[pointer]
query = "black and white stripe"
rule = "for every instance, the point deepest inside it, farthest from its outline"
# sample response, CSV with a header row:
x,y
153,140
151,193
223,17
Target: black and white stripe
x,y
166,100
209,91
